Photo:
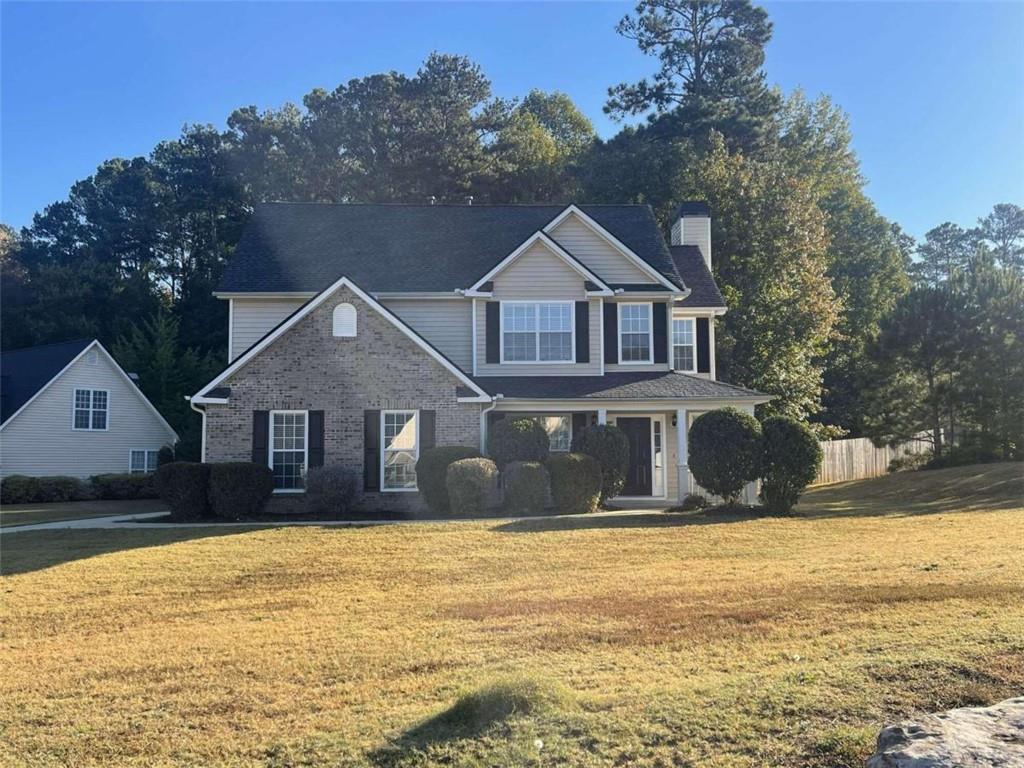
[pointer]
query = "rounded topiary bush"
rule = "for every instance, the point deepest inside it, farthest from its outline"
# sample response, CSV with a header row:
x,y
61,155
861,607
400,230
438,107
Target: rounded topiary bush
x,y
527,487
183,485
239,489
725,452
331,490
432,474
789,462
575,482
610,446
517,440
470,482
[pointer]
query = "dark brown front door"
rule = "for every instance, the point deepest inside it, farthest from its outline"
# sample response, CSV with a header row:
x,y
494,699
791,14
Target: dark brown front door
x,y
638,478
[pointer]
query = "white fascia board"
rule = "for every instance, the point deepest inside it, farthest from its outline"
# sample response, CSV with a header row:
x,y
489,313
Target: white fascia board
x,y
612,404
342,282
541,237
614,242
264,294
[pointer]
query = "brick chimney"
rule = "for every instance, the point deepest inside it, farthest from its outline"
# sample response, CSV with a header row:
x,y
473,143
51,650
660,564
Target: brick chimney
x,y
693,227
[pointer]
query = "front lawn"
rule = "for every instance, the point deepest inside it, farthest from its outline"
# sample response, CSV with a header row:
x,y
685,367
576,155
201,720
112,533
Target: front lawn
x,y
652,640
28,514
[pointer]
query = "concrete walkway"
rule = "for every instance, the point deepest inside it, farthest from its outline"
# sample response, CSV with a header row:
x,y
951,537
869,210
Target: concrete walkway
x,y
120,522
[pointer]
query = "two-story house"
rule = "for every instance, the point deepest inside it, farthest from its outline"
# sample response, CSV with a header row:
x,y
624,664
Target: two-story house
x,y
361,335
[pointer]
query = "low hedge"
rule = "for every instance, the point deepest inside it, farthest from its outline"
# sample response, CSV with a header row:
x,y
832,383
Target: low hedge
x,y
575,482
527,487
331,490
432,473
470,482
183,485
239,489
122,486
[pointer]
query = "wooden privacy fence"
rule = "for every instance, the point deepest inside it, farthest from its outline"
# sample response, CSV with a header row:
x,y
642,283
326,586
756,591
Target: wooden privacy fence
x,y
857,459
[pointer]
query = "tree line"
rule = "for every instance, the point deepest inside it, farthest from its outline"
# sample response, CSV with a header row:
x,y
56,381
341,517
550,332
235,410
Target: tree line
x,y
815,278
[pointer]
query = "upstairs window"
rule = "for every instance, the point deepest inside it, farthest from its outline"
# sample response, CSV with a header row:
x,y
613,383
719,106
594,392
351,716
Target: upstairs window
x,y
684,357
90,409
635,333
536,332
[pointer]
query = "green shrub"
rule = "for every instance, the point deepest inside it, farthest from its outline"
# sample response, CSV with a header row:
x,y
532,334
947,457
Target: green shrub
x,y
575,482
469,485
432,473
725,452
527,487
331,490
517,440
693,501
610,446
19,489
165,455
122,486
962,455
789,462
239,489
184,486
63,488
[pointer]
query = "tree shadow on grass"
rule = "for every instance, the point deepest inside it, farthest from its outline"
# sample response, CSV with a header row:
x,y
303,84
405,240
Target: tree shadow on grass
x,y
28,551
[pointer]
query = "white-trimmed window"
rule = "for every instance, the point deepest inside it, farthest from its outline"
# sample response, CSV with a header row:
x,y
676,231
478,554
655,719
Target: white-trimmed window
x,y
401,448
559,429
344,320
636,333
287,456
142,461
533,332
684,357
90,409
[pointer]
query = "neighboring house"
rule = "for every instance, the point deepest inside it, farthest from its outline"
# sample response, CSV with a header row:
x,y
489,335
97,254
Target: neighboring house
x,y
361,335
69,409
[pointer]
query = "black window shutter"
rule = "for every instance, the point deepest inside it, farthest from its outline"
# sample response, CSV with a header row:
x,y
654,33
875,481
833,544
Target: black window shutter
x,y
260,437
703,345
371,450
493,331
316,438
611,332
582,331
428,431
660,332
580,421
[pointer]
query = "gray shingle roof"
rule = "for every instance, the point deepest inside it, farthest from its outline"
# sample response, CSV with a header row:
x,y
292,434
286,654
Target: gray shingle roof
x,y
390,247
694,271
23,372
649,385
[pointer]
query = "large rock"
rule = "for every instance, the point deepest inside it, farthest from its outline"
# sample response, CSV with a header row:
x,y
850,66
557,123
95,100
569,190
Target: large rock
x,y
971,737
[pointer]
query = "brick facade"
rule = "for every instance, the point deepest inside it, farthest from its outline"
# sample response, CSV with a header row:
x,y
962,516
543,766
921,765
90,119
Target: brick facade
x,y
308,368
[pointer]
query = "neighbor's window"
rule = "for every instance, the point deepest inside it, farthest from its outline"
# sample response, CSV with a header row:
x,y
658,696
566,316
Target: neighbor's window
x,y
559,429
635,333
536,332
682,345
90,409
288,449
401,449
142,461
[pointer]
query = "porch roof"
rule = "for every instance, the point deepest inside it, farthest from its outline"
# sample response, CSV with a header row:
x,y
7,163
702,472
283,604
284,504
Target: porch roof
x,y
642,385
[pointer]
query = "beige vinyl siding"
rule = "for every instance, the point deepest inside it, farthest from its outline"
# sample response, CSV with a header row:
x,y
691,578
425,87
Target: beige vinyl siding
x,y
445,323
40,441
252,318
597,253
539,275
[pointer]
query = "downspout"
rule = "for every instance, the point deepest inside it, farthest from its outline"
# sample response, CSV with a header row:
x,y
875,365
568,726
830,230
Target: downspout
x,y
483,421
201,412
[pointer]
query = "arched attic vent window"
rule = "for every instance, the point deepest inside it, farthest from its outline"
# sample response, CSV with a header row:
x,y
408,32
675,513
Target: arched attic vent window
x,y
345,320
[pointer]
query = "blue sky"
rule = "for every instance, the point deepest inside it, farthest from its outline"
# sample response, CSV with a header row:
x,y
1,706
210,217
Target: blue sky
x,y
935,91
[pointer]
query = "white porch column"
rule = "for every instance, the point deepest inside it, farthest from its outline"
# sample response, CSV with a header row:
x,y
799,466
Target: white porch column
x,y
602,415
751,490
682,463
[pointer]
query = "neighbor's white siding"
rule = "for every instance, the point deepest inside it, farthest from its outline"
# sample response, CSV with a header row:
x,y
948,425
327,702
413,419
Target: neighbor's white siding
x,y
539,275
40,441
445,323
252,318
597,253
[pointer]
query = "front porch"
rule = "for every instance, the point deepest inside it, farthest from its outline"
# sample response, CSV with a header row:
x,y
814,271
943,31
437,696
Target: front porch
x,y
658,435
